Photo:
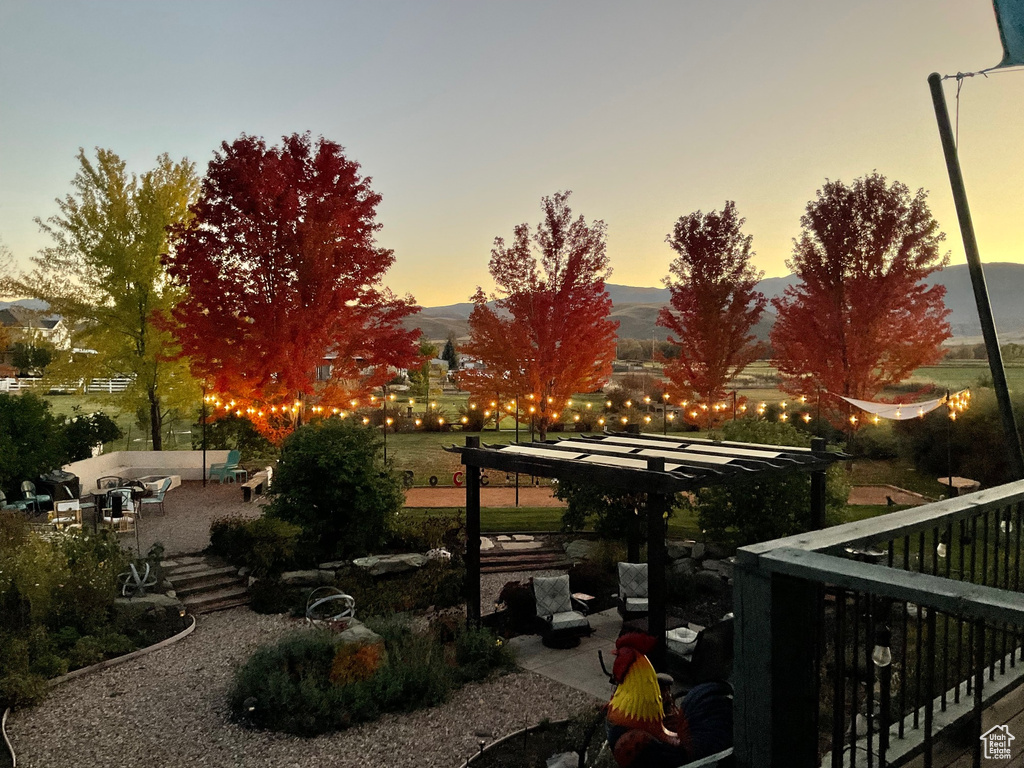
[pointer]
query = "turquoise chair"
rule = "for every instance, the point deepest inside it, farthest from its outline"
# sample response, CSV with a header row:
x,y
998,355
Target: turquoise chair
x,y
28,490
158,497
226,470
4,504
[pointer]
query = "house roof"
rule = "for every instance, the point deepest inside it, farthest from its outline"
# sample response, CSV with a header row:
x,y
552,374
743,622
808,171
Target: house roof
x,y
665,464
21,317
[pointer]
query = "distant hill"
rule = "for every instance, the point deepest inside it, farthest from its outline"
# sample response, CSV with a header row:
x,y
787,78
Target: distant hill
x,y
636,308
27,303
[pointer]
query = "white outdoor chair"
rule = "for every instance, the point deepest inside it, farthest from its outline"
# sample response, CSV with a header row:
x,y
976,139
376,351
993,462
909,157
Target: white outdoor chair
x,y
563,624
633,595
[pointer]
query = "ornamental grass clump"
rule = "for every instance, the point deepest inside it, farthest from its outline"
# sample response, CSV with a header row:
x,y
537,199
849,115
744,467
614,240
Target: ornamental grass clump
x,y
312,682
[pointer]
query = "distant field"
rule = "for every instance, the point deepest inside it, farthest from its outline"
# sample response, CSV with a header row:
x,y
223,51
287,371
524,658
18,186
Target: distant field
x,y
960,374
421,452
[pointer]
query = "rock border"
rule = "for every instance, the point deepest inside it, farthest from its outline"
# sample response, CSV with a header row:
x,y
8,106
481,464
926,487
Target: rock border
x,y
472,758
7,739
126,657
96,668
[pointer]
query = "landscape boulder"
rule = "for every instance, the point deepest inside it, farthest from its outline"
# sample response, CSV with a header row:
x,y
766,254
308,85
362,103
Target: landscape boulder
x,y
309,578
379,565
676,550
580,549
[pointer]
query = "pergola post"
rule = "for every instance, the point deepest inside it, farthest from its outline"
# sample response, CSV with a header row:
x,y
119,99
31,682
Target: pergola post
x,y
472,538
657,505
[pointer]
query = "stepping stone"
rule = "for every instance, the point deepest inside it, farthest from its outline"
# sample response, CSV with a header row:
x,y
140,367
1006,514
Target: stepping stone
x,y
522,537
486,543
514,545
504,538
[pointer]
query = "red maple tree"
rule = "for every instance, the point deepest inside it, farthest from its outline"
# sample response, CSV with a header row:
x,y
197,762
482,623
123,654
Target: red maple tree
x,y
285,311
547,335
862,316
714,305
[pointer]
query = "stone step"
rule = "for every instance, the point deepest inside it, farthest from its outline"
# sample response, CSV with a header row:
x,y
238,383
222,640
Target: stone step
x,y
212,584
180,570
497,554
202,601
174,562
525,564
187,578
223,605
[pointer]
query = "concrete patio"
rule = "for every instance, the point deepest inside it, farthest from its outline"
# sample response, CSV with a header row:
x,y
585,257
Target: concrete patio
x,y
577,667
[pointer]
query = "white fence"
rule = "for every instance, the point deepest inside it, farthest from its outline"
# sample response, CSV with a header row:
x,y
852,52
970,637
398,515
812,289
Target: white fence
x,y
110,386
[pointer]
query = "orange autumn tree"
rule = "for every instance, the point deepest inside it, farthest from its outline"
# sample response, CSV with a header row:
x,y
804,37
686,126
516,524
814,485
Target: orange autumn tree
x,y
547,335
713,308
862,316
285,311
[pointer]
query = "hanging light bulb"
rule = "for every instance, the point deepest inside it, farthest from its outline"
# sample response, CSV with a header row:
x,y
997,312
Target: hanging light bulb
x,y
882,654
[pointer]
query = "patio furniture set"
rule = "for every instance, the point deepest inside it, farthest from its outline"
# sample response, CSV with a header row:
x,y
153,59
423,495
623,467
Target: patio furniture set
x,y
692,654
118,503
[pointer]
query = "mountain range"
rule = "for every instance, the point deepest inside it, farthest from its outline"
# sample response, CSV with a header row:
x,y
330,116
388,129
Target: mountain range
x,y
636,308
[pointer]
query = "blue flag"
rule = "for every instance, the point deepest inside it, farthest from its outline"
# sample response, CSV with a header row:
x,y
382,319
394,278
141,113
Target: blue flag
x,y
1010,17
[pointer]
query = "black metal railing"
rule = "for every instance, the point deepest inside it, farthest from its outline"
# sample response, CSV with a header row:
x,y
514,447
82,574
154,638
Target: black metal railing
x,y
912,623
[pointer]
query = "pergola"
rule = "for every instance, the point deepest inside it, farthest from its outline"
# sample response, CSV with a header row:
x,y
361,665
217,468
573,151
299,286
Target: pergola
x,y
659,466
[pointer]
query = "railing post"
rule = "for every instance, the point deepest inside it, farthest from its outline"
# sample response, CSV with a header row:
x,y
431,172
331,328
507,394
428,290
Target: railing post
x,y
776,660
752,700
818,444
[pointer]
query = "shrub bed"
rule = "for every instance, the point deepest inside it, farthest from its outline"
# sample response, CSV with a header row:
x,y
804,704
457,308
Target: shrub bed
x,y
265,545
312,682
56,607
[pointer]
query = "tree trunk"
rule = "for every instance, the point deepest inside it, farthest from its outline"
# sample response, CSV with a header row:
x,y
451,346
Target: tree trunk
x,y
155,421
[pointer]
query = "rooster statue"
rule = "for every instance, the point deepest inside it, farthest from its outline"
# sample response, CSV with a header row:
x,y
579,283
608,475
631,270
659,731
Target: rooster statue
x,y
637,716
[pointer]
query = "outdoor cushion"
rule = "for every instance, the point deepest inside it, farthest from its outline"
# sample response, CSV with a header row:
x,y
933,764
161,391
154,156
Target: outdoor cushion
x,y
636,604
681,641
568,620
632,580
552,594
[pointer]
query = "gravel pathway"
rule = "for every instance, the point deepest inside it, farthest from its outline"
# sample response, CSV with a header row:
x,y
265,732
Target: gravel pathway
x,y
170,709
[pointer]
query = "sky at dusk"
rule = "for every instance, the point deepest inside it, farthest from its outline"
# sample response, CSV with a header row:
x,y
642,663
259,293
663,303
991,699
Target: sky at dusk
x,y
466,113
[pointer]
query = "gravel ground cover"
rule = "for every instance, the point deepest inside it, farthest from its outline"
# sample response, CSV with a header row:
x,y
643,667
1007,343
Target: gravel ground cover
x,y
170,709
190,509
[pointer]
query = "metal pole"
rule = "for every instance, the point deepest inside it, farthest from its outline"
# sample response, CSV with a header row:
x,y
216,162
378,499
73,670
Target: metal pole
x,y
988,327
517,443
472,538
949,446
204,435
384,423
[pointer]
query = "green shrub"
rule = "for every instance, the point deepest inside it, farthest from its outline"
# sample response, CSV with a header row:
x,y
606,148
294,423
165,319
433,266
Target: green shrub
x,y
479,652
419,532
612,512
83,431
271,596
332,481
749,511
231,431
287,687
973,446
32,441
266,545
438,583
55,600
